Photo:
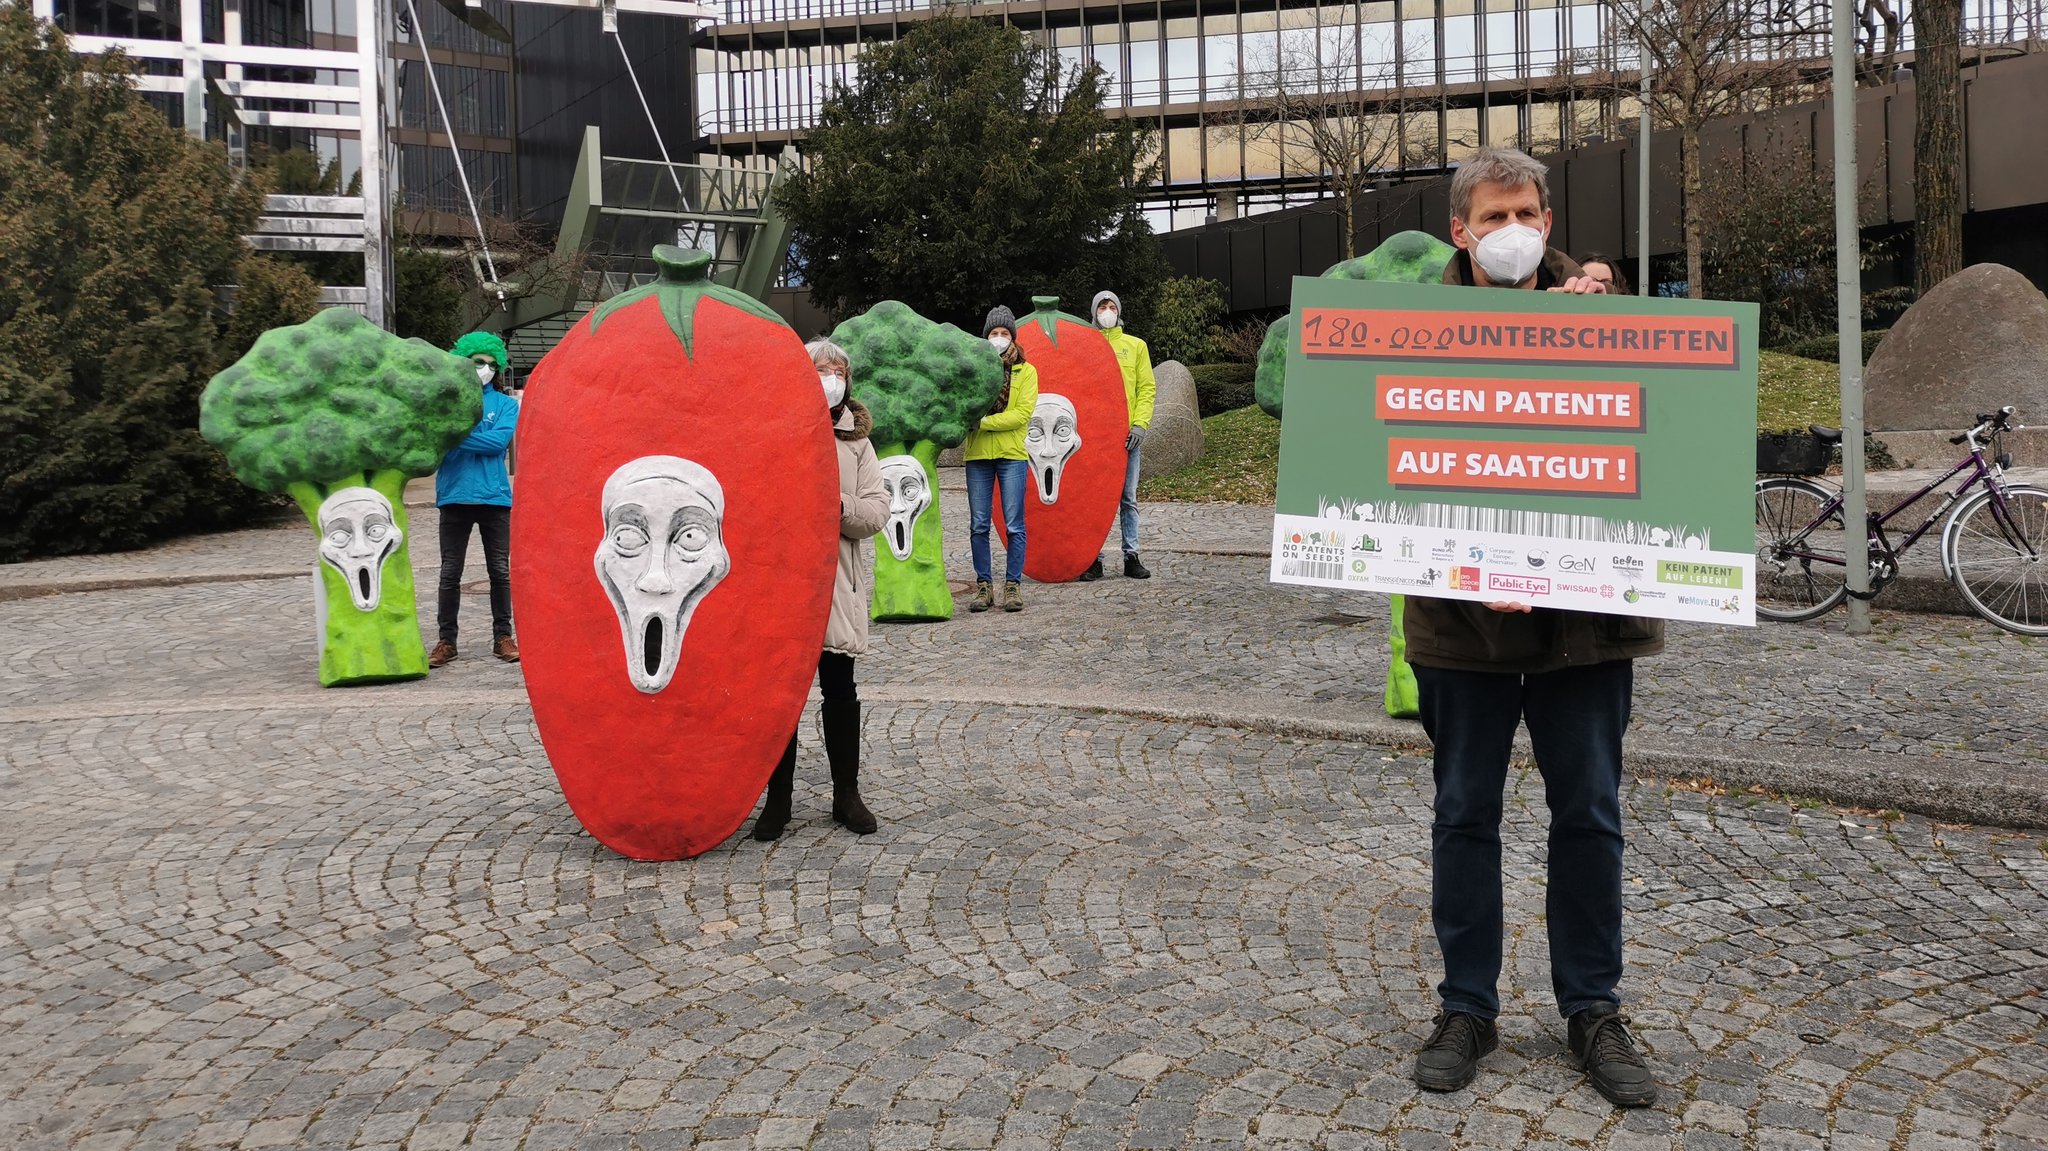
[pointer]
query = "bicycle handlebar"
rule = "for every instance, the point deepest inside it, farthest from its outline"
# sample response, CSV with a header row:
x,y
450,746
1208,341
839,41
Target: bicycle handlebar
x,y
1987,422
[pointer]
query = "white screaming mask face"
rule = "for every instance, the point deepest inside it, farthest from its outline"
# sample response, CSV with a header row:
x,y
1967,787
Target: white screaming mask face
x,y
357,534
910,493
662,553
1050,440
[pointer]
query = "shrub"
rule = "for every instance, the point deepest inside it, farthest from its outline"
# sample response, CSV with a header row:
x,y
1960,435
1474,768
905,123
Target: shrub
x,y
118,228
1240,343
1222,387
1184,319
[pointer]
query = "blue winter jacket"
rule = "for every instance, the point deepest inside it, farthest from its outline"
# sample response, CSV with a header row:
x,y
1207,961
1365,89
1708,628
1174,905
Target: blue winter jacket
x,y
473,472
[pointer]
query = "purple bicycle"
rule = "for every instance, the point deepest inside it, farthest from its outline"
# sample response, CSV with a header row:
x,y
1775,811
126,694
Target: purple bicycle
x,y
1994,543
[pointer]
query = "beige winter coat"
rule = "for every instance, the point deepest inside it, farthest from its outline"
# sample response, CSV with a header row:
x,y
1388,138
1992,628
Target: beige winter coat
x,y
863,508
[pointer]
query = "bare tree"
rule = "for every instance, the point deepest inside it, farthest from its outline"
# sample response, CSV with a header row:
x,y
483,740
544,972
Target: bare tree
x,y
1708,59
1937,142
1328,101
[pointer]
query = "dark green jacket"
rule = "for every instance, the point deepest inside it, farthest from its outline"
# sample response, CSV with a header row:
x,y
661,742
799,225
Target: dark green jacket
x,y
1458,635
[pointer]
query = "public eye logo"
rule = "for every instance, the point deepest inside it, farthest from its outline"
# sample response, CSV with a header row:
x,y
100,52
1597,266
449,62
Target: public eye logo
x,y
1583,565
1520,585
1538,558
1476,555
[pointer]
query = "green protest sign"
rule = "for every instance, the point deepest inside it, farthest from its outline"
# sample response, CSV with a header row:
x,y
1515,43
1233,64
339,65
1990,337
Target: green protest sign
x,y
1586,452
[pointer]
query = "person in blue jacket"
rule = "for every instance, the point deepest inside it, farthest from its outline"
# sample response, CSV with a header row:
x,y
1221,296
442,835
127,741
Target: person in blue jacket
x,y
474,492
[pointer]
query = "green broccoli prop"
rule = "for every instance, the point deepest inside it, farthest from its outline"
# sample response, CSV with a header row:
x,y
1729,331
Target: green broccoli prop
x,y
926,385
1405,258
339,414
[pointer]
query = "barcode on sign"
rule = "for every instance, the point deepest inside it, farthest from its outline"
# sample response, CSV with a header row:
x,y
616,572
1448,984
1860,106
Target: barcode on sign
x,y
1555,525
1310,569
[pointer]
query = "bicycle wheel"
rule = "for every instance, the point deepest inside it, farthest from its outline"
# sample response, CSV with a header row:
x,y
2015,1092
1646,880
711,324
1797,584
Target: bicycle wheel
x,y
1800,570
1998,559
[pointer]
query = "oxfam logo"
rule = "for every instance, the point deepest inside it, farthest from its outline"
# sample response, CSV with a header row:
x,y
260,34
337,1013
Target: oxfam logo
x,y
1358,566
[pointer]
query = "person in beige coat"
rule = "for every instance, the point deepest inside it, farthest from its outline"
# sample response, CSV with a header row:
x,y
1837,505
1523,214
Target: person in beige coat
x,y
863,508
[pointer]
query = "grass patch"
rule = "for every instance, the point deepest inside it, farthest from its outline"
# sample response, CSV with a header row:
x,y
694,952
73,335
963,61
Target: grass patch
x,y
1240,461
1792,392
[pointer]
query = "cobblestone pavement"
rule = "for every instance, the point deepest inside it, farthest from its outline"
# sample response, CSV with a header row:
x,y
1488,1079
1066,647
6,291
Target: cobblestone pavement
x,y
243,912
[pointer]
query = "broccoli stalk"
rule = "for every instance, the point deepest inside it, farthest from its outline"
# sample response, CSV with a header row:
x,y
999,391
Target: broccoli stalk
x,y
926,385
331,405
1405,258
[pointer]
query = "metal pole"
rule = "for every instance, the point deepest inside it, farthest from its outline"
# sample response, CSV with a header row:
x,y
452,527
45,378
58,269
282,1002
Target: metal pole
x,y
1849,318
1643,177
448,126
371,31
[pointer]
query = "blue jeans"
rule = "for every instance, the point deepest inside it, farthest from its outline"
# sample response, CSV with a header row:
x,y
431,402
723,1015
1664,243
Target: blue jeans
x,y
1576,718
982,478
1129,512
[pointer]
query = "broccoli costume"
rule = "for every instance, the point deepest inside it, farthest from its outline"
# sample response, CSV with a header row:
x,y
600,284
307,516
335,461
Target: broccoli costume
x,y
1405,258
487,343
338,413
926,385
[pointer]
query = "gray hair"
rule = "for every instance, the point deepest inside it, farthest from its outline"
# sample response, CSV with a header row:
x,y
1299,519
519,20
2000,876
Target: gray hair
x,y
1508,167
831,352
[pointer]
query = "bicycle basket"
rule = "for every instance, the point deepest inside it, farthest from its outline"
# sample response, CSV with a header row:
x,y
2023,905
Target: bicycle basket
x,y
1792,454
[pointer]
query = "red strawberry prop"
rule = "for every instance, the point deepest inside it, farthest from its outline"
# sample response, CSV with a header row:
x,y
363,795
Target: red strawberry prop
x,y
673,546
1085,483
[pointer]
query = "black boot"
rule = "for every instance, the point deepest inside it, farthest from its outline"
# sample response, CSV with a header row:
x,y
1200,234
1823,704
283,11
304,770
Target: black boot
x,y
1133,569
775,809
1094,571
842,747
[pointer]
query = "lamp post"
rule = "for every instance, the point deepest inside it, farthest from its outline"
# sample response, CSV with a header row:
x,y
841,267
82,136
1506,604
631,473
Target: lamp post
x,y
1849,319
1643,176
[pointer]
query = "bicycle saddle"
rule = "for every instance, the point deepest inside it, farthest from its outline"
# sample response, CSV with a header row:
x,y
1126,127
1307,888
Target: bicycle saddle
x,y
1825,434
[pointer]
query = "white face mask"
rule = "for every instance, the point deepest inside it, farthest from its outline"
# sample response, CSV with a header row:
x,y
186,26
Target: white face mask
x,y
835,388
1106,318
486,373
1509,254
1000,343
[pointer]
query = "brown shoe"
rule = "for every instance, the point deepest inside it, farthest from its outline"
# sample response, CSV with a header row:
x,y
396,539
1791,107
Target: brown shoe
x,y
984,596
443,653
506,649
1013,600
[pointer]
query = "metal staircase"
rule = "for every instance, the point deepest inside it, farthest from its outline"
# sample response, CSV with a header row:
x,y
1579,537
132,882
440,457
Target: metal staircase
x,y
619,209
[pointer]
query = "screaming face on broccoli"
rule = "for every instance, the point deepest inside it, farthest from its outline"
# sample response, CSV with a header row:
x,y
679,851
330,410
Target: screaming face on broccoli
x,y
338,413
926,384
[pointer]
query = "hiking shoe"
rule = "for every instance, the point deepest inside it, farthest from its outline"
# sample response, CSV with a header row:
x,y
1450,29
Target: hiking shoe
x,y
1601,1043
1093,573
1450,1060
984,596
506,649
1013,599
443,654
1134,569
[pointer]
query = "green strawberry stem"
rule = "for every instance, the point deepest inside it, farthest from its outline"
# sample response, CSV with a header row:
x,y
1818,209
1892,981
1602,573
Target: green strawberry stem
x,y
684,283
366,646
915,589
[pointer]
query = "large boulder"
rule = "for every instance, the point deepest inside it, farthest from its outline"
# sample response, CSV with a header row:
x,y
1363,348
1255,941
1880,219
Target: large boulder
x,y
1977,342
1175,440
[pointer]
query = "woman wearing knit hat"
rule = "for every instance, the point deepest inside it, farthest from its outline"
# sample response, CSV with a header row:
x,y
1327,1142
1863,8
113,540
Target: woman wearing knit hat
x,y
995,457
472,491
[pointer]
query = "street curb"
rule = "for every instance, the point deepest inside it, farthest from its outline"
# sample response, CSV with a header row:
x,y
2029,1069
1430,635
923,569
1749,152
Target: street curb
x,y
122,583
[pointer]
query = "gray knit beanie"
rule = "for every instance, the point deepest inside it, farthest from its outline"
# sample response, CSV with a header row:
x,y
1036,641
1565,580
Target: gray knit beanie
x,y
999,317
1111,297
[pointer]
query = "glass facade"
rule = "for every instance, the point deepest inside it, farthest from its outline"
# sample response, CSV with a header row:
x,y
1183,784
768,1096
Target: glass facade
x,y
1438,78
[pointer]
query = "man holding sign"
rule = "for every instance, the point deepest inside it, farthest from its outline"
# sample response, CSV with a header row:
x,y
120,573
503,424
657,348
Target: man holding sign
x,y
1483,668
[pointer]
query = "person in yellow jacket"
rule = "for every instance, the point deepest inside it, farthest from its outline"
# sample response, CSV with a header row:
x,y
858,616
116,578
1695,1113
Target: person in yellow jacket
x,y
1136,361
995,457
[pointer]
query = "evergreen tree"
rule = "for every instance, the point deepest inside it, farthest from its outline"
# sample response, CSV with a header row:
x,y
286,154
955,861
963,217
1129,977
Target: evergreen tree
x,y
117,228
967,167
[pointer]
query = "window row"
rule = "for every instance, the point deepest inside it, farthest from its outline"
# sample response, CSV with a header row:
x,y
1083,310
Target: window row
x,y
477,98
427,181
